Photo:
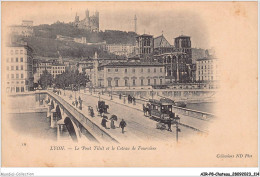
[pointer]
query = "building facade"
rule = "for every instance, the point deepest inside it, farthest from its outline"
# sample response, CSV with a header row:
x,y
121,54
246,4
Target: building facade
x,y
120,49
183,44
177,66
90,23
131,74
53,68
207,70
26,29
144,46
19,68
161,45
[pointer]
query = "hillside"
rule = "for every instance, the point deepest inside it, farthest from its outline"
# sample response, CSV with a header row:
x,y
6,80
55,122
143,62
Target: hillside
x,y
58,28
48,47
44,41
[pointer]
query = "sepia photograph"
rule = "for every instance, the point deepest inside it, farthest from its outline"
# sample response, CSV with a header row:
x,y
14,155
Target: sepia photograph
x,y
129,84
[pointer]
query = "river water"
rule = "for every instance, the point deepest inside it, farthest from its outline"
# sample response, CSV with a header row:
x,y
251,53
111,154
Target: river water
x,y
204,107
34,125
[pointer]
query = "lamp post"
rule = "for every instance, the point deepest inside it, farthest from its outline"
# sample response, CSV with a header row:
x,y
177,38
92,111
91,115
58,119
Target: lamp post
x,y
177,131
111,97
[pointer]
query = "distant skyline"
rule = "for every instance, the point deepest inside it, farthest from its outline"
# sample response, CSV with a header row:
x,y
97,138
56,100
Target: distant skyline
x,y
151,20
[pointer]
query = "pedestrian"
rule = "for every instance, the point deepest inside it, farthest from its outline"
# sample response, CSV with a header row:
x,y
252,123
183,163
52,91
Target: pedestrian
x,y
144,110
120,96
112,124
104,122
122,125
124,100
76,103
101,111
169,122
134,100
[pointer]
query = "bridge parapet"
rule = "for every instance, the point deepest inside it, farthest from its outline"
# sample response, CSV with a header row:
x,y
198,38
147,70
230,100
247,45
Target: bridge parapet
x,y
99,133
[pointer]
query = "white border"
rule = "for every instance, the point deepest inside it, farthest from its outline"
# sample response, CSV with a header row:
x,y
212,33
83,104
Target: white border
x,y
127,171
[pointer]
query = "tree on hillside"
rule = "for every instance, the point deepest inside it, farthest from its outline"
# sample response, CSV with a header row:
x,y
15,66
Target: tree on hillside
x,y
45,80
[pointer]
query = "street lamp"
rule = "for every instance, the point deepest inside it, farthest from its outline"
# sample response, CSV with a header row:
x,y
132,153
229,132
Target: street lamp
x,y
111,98
177,131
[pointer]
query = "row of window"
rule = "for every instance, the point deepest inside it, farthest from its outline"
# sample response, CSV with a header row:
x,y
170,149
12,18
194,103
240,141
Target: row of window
x,y
133,70
210,66
206,61
206,78
12,60
17,82
58,67
16,52
206,72
12,76
134,82
15,89
16,67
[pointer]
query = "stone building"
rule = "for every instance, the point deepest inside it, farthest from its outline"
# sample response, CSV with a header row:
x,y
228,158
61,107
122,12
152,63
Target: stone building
x,y
131,74
18,63
120,49
144,46
183,44
54,68
90,23
177,66
26,29
161,45
207,69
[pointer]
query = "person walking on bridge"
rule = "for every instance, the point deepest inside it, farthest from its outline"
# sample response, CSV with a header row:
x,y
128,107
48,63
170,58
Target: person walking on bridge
x,y
122,125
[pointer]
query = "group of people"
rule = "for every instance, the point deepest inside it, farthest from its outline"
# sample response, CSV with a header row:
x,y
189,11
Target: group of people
x,y
113,118
77,102
130,99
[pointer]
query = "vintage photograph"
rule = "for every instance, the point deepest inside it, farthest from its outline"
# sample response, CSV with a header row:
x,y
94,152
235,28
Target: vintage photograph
x,y
113,81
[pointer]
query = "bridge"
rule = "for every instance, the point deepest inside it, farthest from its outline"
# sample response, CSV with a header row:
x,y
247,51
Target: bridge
x,y
80,127
76,123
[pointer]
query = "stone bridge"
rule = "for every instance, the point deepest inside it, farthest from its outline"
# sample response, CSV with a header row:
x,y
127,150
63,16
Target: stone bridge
x,y
80,127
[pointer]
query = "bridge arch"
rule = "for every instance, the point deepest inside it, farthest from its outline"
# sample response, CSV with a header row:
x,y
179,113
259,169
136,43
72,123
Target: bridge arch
x,y
58,113
72,128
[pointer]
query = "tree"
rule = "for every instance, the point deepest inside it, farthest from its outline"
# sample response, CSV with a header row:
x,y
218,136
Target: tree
x,y
45,80
70,78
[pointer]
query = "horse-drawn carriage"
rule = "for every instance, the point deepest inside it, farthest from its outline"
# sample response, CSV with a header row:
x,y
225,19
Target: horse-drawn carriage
x,y
102,107
161,110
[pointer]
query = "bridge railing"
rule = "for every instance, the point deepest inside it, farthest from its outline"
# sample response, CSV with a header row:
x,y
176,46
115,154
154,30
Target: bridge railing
x,y
193,113
182,111
92,127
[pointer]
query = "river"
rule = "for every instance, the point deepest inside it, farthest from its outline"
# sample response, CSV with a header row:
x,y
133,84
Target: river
x,y
204,107
34,125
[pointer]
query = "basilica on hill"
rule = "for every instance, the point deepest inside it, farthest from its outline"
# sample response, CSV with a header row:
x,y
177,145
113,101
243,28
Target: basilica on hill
x,y
90,23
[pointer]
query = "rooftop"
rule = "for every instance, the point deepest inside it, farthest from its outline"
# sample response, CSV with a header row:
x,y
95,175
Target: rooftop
x,y
206,58
182,36
171,53
161,41
145,35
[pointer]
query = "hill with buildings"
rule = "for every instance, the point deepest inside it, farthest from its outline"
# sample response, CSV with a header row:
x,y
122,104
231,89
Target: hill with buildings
x,y
69,30
49,47
48,39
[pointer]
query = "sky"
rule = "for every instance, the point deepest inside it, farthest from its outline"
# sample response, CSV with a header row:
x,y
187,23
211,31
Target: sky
x,y
172,19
